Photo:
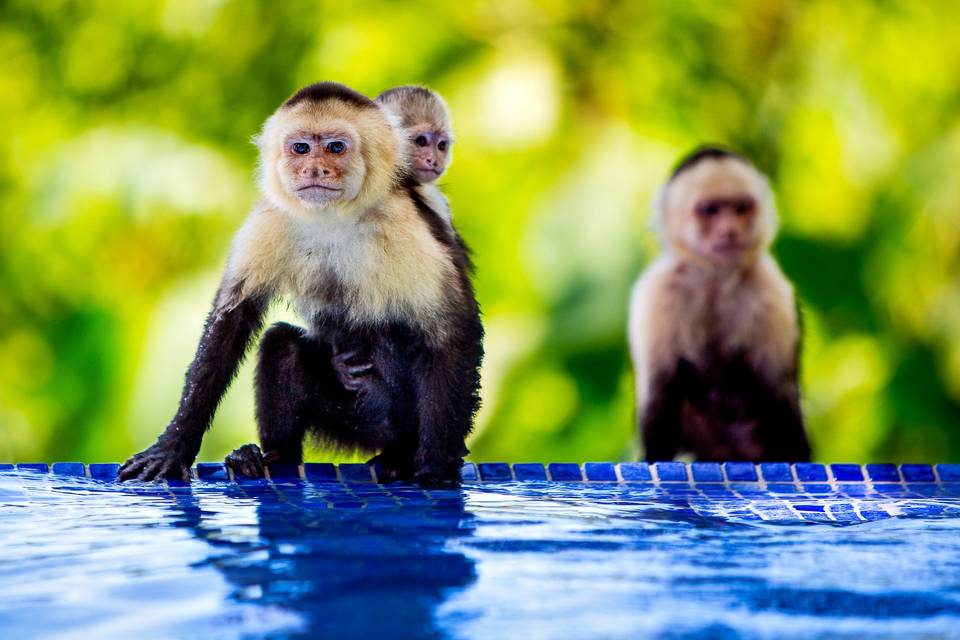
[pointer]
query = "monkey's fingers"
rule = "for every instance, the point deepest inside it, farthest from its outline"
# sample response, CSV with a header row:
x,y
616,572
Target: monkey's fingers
x,y
132,468
340,359
356,370
151,470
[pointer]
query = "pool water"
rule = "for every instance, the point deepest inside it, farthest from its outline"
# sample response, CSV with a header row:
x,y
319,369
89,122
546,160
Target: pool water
x,y
87,558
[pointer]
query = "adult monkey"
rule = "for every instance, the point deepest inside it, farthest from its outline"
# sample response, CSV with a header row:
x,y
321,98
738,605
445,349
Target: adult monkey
x,y
389,359
714,329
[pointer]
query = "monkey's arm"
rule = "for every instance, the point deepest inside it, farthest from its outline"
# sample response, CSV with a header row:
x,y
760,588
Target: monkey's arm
x,y
229,328
659,420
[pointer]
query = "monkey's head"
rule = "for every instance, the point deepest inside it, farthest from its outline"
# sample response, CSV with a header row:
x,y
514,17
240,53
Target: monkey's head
x,y
425,120
718,207
328,146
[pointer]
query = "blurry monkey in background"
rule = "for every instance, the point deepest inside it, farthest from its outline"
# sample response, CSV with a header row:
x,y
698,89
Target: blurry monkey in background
x,y
714,329
425,121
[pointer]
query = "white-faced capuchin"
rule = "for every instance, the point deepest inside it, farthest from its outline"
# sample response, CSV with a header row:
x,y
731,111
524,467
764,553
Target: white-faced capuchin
x,y
388,360
425,120
714,327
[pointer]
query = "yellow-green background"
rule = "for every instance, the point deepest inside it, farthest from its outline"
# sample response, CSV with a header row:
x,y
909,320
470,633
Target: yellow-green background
x,y
126,163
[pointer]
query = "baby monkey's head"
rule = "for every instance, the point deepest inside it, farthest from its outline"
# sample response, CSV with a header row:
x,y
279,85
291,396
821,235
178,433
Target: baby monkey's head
x,y
425,120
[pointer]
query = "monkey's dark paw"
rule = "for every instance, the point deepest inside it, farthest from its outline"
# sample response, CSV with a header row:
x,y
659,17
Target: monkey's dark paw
x,y
157,462
438,476
354,376
389,469
247,461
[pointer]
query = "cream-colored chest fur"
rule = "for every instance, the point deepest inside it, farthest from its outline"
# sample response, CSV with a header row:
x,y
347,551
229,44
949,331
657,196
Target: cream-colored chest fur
x,y
678,311
381,266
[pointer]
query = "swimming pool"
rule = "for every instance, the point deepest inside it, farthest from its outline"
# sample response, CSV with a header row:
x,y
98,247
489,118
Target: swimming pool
x,y
598,551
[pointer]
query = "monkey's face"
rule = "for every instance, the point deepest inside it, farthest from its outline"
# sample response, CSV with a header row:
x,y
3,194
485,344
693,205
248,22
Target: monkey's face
x,y
429,153
322,166
723,226
720,210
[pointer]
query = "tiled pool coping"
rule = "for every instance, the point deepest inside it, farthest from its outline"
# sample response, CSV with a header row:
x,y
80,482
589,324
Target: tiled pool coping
x,y
769,476
731,491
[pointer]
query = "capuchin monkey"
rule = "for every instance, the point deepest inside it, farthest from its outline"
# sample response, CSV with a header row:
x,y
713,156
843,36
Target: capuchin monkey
x,y
388,360
425,121
714,328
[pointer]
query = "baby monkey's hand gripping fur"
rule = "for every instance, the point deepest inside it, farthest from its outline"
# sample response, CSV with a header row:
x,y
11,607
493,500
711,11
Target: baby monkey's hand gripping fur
x,y
389,360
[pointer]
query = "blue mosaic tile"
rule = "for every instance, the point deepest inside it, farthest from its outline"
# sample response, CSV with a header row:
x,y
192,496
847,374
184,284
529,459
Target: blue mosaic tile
x,y
847,472
810,472
495,472
77,469
212,471
106,471
714,489
917,472
600,471
817,488
6,466
883,472
706,472
36,467
565,471
635,472
782,487
776,472
468,473
949,472
286,471
853,489
887,487
320,472
355,472
529,471
740,471
671,471
927,489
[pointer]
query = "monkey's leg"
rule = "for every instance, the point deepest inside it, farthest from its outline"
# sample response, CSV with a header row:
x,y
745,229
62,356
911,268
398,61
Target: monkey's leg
x,y
447,396
660,421
286,393
780,426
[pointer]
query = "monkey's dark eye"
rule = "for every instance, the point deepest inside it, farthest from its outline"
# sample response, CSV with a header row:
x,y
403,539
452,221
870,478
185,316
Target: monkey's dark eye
x,y
442,145
420,141
336,147
743,208
300,148
709,209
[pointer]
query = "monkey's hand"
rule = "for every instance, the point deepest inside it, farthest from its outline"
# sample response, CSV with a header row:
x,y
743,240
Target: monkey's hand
x,y
353,375
248,461
164,459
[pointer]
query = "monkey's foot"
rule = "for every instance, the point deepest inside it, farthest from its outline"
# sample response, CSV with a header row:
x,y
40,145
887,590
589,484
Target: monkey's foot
x,y
439,474
247,461
354,376
391,469
157,462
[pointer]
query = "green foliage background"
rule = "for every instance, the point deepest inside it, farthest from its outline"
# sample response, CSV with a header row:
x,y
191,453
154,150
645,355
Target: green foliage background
x,y
125,165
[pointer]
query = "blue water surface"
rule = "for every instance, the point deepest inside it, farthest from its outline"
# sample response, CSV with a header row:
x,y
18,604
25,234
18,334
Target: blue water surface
x,y
92,559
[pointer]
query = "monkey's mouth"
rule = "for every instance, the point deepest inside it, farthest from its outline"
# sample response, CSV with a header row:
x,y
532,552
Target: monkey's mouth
x,y
728,249
318,186
431,170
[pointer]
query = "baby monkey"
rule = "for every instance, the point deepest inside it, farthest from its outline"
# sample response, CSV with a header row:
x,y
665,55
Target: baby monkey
x,y
425,120
714,328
